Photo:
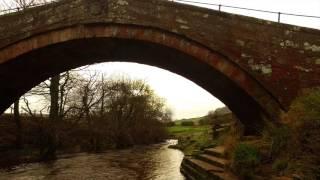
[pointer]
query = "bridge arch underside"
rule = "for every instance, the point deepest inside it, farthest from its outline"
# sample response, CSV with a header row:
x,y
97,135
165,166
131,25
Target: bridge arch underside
x,y
35,59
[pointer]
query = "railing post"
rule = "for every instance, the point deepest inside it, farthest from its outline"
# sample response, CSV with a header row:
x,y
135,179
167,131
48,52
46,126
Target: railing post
x,y
219,7
279,15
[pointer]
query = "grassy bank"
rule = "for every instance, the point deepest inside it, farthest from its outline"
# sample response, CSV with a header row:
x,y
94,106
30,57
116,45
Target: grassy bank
x,y
191,139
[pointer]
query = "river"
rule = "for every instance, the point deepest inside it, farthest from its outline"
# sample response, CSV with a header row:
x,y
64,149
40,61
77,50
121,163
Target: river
x,y
154,162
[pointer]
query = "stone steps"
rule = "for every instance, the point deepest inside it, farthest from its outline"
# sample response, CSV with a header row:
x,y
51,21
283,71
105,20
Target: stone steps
x,y
207,166
200,170
218,151
220,162
202,165
192,174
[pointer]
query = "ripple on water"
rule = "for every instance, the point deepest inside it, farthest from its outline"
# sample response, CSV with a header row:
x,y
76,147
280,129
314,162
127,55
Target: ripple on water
x,y
156,162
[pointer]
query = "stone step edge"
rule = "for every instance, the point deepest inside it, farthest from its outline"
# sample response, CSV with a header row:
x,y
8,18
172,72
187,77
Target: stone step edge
x,y
191,173
217,161
214,152
195,164
202,175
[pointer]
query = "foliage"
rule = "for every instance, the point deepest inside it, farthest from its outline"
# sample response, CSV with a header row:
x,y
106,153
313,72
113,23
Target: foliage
x,y
195,120
128,109
278,136
293,147
205,121
304,120
280,165
305,108
244,160
187,123
170,124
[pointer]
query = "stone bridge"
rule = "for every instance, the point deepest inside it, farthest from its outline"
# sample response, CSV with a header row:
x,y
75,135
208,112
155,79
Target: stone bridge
x,y
255,67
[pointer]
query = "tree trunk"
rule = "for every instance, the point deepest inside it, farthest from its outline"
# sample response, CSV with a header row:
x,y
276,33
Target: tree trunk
x,y
54,101
50,152
102,103
18,124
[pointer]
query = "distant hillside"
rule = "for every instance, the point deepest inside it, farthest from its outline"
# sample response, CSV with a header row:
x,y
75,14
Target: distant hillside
x,y
195,120
223,113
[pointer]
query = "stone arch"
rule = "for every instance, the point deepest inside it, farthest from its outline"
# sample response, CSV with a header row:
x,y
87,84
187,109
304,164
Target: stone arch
x,y
27,62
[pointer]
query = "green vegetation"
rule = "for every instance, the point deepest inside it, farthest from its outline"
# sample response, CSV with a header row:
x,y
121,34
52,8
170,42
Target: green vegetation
x,y
245,159
187,123
286,149
290,148
192,139
179,130
194,120
280,165
278,139
196,134
303,119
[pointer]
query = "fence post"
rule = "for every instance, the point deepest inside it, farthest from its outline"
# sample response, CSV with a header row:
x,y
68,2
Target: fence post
x,y
279,15
219,7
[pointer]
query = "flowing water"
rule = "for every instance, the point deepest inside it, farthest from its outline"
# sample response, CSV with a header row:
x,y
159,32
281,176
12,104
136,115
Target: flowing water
x,y
155,162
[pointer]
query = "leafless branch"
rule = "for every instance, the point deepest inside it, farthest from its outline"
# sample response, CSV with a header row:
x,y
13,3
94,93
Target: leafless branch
x,y
27,108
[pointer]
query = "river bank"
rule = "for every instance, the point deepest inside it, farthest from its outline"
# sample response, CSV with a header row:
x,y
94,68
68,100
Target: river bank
x,y
192,139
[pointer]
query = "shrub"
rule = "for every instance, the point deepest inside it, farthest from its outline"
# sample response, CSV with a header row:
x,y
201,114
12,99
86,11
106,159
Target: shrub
x,y
244,160
187,123
278,136
280,165
205,121
170,124
305,108
304,120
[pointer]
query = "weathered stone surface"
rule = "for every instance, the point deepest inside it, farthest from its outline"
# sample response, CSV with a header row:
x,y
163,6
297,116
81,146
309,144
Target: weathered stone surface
x,y
253,62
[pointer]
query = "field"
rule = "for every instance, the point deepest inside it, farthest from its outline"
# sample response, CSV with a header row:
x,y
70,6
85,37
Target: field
x,y
192,139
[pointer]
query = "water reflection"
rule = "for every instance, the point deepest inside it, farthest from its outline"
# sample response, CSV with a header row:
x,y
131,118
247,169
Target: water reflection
x,y
155,162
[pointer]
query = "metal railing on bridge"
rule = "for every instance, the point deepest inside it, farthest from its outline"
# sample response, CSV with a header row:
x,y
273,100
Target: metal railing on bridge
x,y
219,7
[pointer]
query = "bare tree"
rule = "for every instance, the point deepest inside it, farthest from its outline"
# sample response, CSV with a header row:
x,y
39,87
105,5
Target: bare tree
x,y
27,107
20,4
23,4
167,116
89,91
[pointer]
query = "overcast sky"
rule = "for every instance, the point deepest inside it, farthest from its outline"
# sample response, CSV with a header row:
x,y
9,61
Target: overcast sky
x,y
183,96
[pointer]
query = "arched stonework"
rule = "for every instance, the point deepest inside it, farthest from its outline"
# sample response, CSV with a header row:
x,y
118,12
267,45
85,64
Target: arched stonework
x,y
256,67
